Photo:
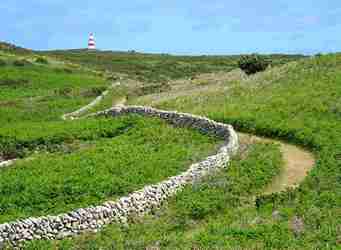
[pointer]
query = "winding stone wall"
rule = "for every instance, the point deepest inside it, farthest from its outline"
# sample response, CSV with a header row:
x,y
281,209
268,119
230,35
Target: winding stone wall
x,y
137,203
4,164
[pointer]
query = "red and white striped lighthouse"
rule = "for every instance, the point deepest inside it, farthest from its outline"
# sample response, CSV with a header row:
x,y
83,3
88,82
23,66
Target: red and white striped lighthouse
x,y
91,42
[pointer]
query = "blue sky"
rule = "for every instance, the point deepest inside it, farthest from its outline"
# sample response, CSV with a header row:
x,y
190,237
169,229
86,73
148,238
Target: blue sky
x,y
176,26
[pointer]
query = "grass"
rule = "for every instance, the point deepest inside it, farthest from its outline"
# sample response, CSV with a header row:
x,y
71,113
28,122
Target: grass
x,y
298,102
155,68
63,162
300,106
146,67
39,92
206,204
114,97
82,163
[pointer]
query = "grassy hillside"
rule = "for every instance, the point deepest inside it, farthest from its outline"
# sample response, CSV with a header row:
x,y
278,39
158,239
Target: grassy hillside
x,y
298,102
11,48
31,91
85,162
71,164
156,67
191,218
143,74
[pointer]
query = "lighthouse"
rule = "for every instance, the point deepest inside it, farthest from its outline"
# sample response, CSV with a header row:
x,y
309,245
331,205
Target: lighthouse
x,y
91,42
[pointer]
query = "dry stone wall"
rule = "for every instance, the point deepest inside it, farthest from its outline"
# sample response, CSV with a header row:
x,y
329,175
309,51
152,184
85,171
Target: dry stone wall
x,y
4,164
137,203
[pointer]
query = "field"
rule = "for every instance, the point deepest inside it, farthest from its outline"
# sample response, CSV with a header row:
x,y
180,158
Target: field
x,y
72,164
300,103
297,100
83,163
154,68
39,92
192,216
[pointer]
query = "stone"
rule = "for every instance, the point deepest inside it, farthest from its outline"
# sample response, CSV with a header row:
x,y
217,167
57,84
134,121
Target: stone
x,y
276,215
297,225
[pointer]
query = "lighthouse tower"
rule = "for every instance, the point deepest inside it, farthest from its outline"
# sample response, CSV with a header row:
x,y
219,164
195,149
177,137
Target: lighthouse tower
x,y
91,42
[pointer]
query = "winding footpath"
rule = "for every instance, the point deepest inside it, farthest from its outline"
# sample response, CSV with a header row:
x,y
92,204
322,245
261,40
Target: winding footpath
x,y
96,101
297,161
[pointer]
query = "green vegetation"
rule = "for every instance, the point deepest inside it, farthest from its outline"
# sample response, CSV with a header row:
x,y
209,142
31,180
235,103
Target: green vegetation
x,y
85,162
298,102
198,216
41,60
142,74
72,164
156,68
252,64
21,63
115,96
41,92
147,67
2,63
301,105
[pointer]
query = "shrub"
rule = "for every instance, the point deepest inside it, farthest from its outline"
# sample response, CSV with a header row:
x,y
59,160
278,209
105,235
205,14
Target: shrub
x,y
41,60
152,88
63,70
252,64
2,63
67,91
67,70
10,82
94,91
21,63
113,78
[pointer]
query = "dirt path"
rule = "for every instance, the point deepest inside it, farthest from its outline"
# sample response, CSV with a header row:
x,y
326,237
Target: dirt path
x,y
76,114
297,164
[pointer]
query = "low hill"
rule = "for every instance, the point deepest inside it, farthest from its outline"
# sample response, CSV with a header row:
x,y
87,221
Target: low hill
x,y
296,100
146,67
156,67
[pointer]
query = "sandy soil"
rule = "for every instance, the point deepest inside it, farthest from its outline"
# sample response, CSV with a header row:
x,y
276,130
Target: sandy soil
x,y
297,164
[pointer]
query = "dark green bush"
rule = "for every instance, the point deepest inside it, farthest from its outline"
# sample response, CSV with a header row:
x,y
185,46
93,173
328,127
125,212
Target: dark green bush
x,y
41,60
12,82
63,70
113,78
67,91
67,70
21,63
94,91
152,88
2,63
252,64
